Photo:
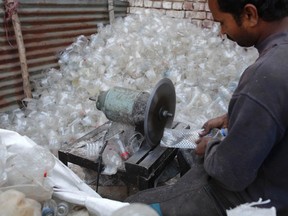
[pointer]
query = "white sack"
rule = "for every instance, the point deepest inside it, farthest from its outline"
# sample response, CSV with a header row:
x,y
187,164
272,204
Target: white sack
x,y
66,185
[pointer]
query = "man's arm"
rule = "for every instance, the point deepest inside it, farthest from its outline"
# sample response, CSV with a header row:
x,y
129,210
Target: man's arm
x,y
236,160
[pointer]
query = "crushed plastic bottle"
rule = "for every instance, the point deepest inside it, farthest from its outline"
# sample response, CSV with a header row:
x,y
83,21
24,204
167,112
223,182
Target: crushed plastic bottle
x,y
134,143
118,146
93,149
112,161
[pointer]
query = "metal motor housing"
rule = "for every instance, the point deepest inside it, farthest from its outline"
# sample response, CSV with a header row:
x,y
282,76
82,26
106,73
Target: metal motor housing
x,y
123,105
150,113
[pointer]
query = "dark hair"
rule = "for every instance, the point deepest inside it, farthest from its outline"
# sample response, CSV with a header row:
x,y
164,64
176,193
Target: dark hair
x,y
268,10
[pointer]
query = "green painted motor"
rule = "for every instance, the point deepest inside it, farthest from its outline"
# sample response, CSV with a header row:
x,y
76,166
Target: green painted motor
x,y
150,112
123,105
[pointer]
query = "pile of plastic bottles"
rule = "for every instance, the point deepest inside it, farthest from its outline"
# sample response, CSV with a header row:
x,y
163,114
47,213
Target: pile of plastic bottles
x,y
134,52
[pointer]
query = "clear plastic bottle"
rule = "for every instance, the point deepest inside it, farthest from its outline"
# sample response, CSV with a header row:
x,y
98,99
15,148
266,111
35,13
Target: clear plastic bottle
x,y
93,149
121,148
134,143
219,133
49,208
112,161
63,209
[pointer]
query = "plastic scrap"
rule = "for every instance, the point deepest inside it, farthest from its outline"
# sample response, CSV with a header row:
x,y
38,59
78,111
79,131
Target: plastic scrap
x,y
204,69
180,138
134,52
251,209
60,181
186,138
27,166
13,202
3,156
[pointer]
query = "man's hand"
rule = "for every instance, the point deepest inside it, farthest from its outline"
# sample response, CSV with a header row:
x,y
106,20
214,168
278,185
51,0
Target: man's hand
x,y
218,122
201,145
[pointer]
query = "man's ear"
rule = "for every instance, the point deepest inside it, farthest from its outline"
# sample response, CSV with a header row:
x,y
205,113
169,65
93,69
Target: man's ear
x,y
250,15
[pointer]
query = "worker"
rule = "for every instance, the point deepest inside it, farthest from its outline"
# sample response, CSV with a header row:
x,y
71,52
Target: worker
x,y
251,162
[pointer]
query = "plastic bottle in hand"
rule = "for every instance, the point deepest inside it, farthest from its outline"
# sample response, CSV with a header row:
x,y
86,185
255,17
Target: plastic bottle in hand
x,y
219,133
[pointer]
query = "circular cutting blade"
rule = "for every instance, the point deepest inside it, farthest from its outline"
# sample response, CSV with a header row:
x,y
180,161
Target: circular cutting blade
x,y
160,110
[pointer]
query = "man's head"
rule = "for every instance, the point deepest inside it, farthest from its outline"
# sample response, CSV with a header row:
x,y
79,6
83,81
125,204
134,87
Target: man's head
x,y
268,10
245,21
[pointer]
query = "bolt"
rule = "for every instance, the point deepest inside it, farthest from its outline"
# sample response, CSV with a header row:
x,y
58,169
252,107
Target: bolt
x,y
166,114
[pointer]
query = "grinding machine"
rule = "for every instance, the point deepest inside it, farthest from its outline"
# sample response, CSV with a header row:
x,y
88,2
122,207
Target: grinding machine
x,y
134,112
147,113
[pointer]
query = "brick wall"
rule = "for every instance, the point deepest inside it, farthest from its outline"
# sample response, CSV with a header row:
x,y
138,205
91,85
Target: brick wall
x,y
195,10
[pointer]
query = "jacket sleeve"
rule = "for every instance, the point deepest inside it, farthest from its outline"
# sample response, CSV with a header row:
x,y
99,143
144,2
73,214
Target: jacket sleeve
x,y
236,160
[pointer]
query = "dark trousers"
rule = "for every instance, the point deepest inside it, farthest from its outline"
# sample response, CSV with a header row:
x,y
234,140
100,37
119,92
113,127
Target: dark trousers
x,y
195,194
